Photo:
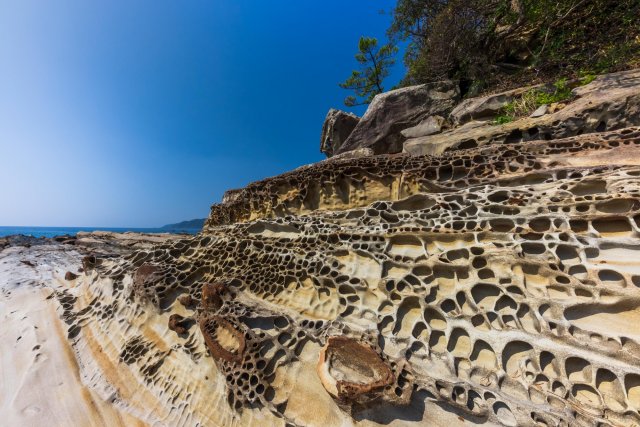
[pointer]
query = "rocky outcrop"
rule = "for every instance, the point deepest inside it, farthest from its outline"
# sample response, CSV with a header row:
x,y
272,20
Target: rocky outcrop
x,y
111,242
440,290
41,380
391,112
484,107
336,128
22,240
358,182
413,119
103,243
491,285
429,126
610,102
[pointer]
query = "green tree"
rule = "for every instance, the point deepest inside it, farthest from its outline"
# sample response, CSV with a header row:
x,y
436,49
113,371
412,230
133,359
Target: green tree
x,y
503,43
375,63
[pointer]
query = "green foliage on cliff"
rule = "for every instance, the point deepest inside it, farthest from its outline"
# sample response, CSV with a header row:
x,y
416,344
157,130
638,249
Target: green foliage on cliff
x,y
526,103
498,44
486,43
374,68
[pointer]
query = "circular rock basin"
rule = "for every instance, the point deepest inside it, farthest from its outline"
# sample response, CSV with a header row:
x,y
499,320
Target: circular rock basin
x,y
348,369
224,341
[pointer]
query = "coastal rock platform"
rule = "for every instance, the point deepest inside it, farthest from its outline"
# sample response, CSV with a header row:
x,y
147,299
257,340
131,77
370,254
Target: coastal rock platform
x,y
39,372
497,285
488,284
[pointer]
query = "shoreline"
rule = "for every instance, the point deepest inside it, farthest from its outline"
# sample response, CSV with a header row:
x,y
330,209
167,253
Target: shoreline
x,y
38,357
103,243
54,232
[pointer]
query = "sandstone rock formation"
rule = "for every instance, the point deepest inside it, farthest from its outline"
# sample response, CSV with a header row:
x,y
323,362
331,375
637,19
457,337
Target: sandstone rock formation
x,y
336,128
485,107
408,119
391,112
610,102
429,126
40,381
497,285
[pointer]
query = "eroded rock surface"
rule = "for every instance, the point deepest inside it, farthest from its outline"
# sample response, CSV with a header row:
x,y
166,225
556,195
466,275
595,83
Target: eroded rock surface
x,y
391,112
498,285
39,373
336,128
611,101
358,182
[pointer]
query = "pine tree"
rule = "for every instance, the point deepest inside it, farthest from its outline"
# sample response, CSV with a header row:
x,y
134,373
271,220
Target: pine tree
x,y
374,68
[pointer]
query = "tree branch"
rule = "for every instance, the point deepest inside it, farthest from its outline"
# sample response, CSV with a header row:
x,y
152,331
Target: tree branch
x,y
376,71
556,22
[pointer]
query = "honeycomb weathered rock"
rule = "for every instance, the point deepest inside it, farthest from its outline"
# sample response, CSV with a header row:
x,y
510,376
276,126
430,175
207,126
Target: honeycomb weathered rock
x,y
494,285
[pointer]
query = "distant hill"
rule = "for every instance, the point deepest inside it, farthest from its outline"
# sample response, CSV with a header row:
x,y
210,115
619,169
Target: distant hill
x,y
193,224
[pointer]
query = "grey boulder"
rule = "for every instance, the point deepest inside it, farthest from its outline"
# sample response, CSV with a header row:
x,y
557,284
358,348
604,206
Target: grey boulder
x,y
392,112
484,108
336,128
540,111
429,126
479,108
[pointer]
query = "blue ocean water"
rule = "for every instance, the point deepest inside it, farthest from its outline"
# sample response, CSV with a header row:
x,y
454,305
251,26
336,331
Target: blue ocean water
x,y
57,231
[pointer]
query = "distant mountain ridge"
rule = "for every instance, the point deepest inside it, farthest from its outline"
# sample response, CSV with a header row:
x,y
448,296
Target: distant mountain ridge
x,y
193,224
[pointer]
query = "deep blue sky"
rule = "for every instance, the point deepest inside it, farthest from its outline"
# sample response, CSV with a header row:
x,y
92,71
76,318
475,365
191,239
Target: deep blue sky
x,y
141,113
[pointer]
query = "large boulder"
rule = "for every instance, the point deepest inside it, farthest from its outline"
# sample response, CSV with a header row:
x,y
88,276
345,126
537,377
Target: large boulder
x,y
336,128
610,102
391,112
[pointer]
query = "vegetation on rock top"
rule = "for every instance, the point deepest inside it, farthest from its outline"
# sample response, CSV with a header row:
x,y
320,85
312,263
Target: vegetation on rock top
x,y
375,62
494,45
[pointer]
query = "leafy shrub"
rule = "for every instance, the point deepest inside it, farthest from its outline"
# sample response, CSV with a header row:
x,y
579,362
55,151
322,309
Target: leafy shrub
x,y
561,93
503,119
504,43
530,100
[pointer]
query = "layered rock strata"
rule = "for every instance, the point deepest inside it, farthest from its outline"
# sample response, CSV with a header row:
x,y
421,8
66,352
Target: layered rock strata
x,y
343,184
610,102
497,285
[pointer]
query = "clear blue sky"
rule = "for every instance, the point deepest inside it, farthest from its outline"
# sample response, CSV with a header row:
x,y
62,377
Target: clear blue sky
x,y
141,113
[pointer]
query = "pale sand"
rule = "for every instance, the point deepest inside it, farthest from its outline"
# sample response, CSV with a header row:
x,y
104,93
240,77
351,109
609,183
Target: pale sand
x,y
39,376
